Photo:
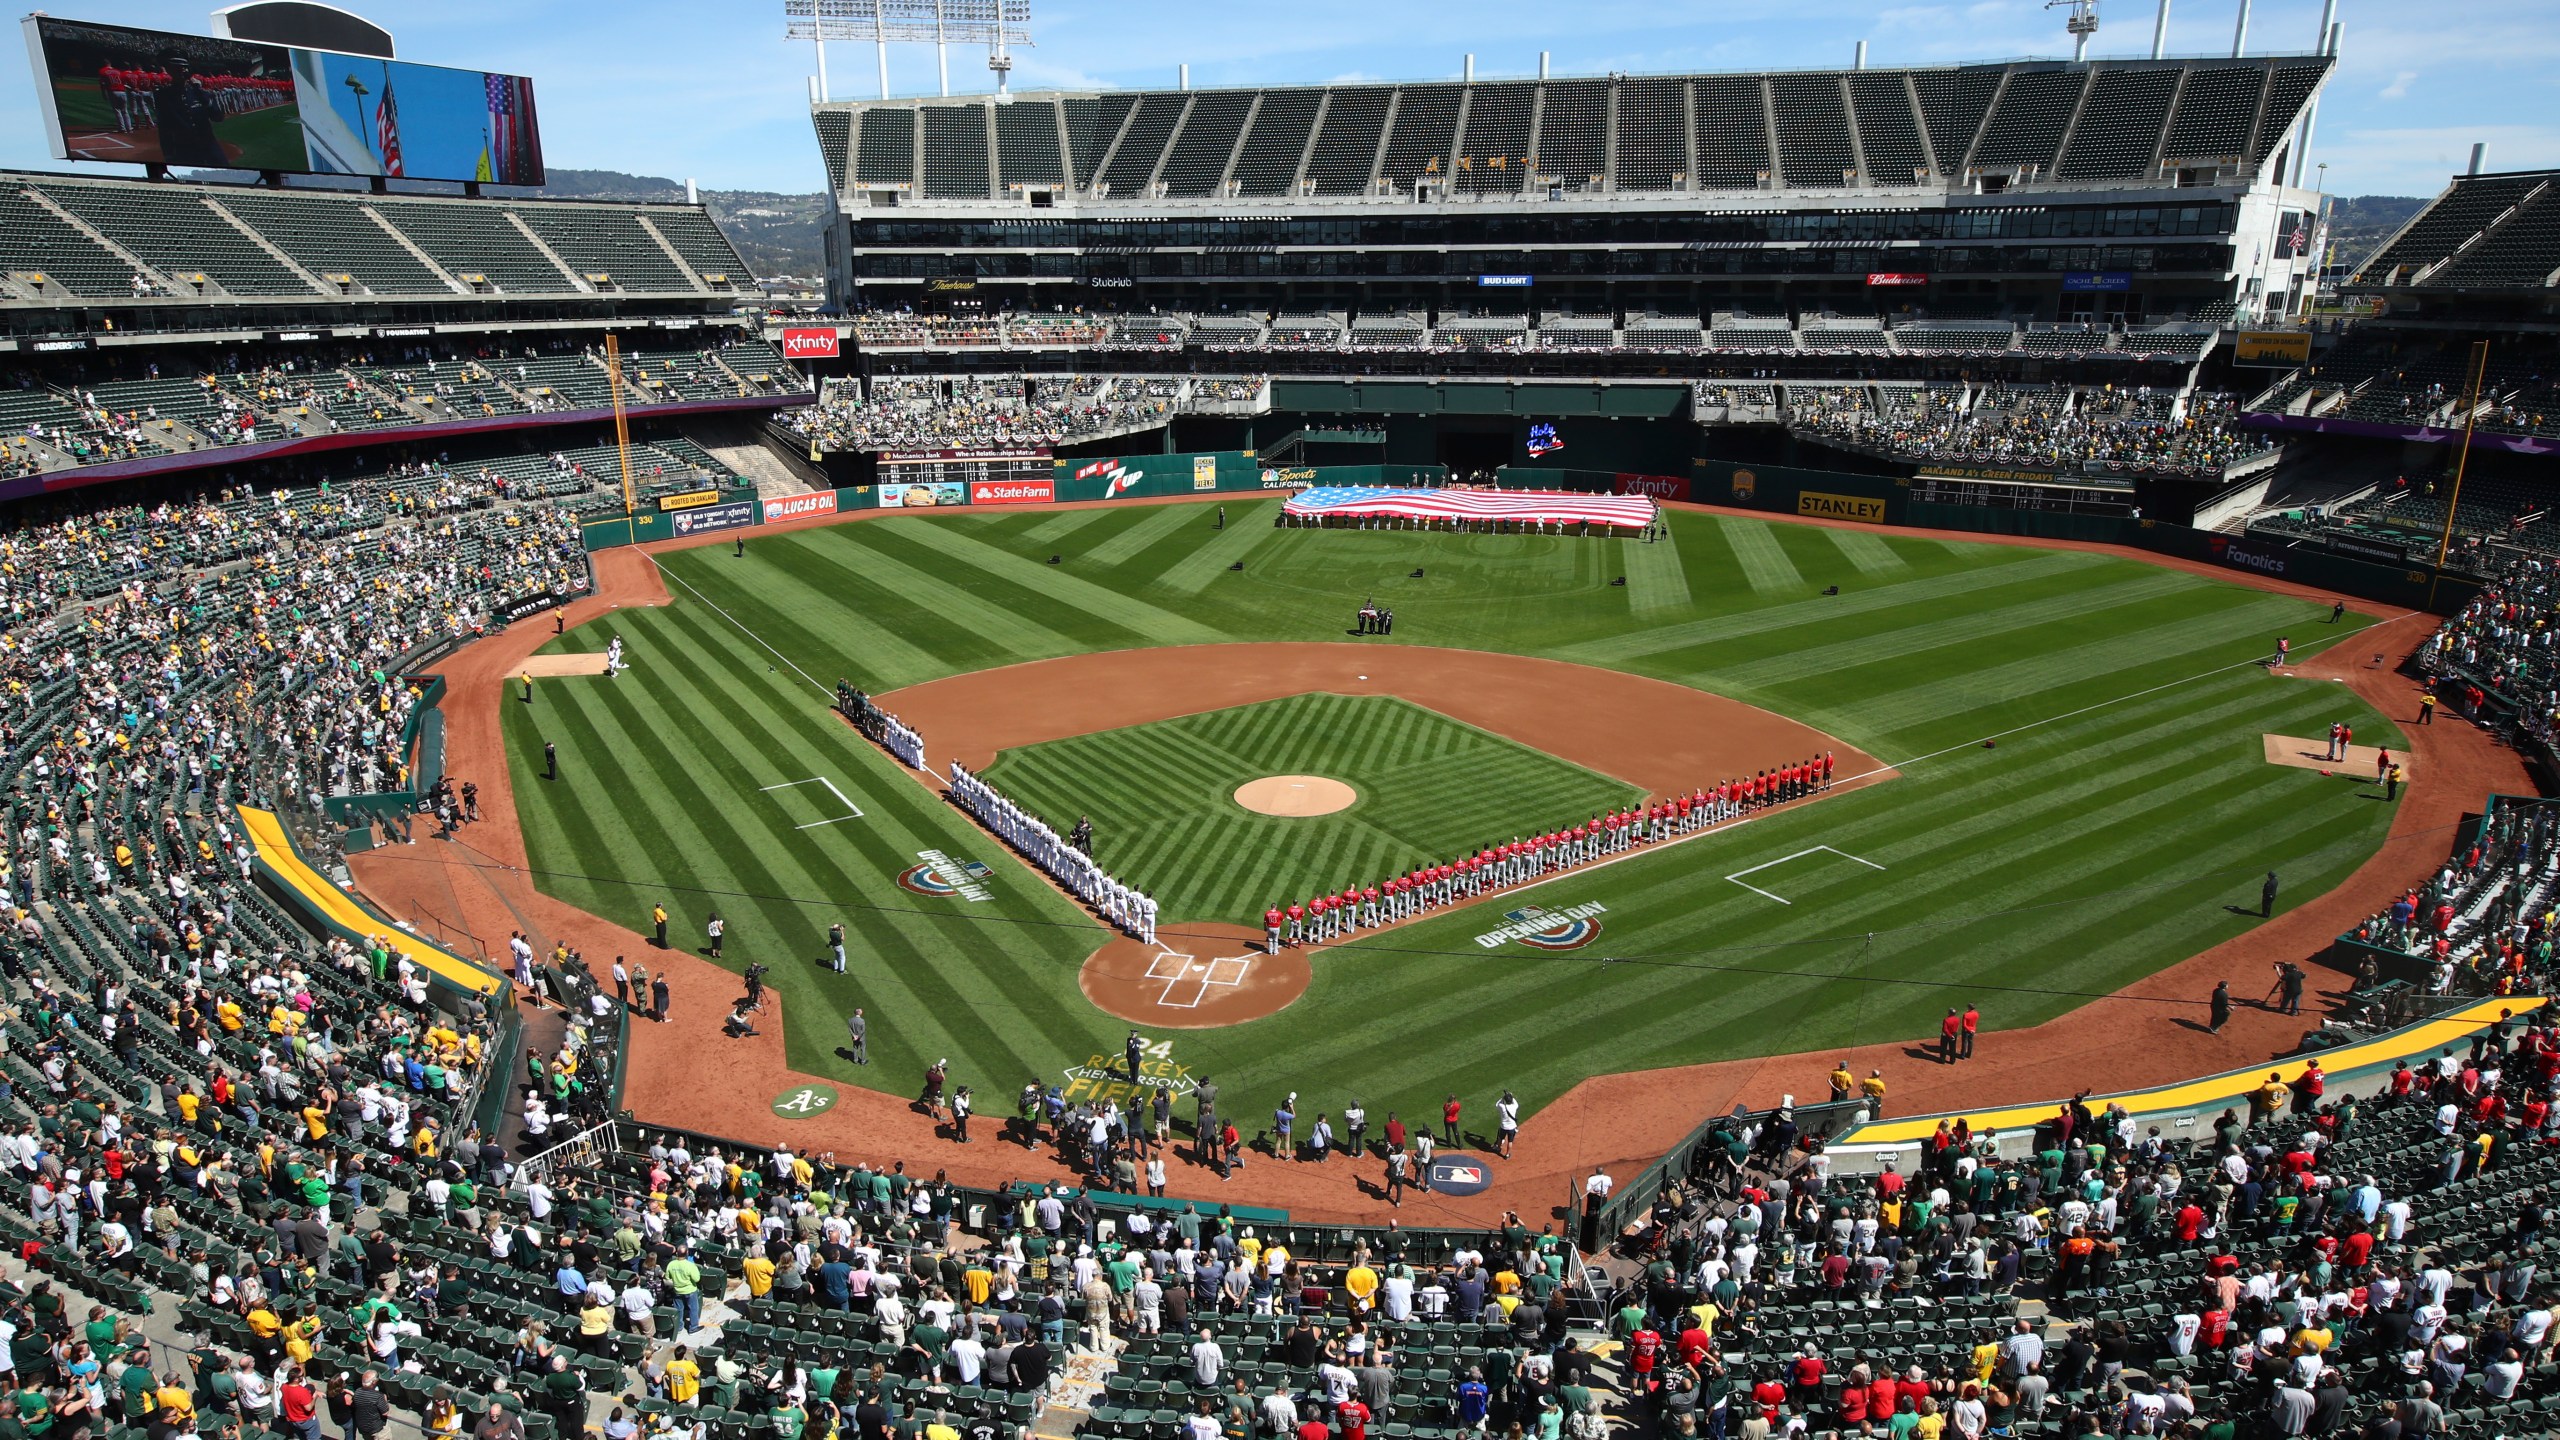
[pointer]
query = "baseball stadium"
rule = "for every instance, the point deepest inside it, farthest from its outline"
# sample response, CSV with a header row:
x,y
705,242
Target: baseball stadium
x,y
1844,752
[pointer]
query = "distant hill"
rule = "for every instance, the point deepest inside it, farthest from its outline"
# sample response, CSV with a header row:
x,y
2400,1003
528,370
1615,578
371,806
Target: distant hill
x,y
777,232
2358,224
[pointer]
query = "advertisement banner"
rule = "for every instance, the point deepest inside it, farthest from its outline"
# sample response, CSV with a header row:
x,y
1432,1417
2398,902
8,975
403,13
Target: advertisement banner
x,y
2083,281
809,344
1839,507
800,507
1204,472
1503,282
1012,492
2280,349
1660,487
689,500
141,97
714,517
922,494
1895,277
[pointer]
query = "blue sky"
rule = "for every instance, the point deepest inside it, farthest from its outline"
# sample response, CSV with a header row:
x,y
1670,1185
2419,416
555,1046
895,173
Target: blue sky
x,y
681,88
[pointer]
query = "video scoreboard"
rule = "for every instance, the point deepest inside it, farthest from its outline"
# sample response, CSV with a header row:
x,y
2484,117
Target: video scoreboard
x,y
963,467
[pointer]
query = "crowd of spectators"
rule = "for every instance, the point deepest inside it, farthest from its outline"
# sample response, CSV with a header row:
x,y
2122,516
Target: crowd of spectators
x,y
2056,427
975,412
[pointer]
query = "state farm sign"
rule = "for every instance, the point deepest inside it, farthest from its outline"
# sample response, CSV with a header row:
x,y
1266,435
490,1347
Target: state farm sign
x,y
1012,492
809,344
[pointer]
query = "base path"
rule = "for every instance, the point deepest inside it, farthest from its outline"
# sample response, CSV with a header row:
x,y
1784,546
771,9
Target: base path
x,y
1660,737
473,891
1295,797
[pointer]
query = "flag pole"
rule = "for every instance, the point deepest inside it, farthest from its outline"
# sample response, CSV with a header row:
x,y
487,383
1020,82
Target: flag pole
x,y
2461,462
621,419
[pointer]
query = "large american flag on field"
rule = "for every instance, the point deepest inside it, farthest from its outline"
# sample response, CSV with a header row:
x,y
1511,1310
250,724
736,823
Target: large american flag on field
x,y
1630,512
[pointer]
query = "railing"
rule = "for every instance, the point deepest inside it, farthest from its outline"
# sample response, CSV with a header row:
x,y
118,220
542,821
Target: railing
x,y
1636,1196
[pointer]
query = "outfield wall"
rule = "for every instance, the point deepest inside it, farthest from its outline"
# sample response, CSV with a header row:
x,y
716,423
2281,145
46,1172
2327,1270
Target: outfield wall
x,y
1887,500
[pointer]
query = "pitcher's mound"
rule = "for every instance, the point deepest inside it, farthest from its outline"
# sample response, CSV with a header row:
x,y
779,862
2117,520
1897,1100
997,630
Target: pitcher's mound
x,y
1200,977
1295,796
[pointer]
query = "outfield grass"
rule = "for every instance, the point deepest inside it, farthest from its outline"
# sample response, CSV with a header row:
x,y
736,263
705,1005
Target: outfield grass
x,y
2100,842
1161,797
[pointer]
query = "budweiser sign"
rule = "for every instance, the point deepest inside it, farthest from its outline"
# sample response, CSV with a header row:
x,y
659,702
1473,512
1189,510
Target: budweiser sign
x,y
1895,277
813,344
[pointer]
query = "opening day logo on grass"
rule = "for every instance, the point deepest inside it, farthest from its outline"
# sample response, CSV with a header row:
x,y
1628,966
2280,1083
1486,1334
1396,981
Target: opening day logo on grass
x,y
942,877
1106,1077
1540,929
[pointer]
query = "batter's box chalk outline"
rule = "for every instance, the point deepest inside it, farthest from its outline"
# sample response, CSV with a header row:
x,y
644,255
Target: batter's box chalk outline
x,y
1736,876
1179,969
853,811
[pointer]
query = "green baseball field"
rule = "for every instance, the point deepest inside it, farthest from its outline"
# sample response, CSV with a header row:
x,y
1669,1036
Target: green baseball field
x,y
2121,824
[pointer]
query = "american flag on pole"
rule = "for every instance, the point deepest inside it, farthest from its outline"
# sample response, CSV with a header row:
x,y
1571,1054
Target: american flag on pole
x,y
386,130
1549,507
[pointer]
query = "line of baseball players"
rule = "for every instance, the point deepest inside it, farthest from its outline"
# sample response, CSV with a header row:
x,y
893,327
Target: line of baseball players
x,y
1131,911
1326,918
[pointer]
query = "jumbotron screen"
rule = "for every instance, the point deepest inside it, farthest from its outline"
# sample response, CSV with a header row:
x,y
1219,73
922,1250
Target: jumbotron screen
x,y
156,97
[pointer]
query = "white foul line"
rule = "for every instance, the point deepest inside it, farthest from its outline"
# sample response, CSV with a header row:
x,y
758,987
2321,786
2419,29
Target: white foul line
x,y
1736,876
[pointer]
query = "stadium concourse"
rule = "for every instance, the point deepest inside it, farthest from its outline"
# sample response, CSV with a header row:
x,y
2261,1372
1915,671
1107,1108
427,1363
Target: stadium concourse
x,y
2153,1033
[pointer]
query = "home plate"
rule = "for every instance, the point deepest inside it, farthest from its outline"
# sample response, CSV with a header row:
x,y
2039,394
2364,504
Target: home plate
x,y
2314,755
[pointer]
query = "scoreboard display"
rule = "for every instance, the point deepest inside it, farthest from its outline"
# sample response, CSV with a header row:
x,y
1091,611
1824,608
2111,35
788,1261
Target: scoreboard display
x,y
920,479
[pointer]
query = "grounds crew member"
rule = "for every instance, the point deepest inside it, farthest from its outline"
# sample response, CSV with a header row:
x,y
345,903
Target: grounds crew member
x,y
658,918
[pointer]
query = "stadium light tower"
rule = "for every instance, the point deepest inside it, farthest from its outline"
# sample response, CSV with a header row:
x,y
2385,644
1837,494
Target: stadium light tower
x,y
2082,22
997,24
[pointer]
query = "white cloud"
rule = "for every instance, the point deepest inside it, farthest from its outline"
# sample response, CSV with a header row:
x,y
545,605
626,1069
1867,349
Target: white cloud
x,y
2399,86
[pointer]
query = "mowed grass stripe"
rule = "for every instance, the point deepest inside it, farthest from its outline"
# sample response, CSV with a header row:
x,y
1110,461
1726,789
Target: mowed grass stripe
x,y
2196,640
1152,525
1008,627
1764,562
781,588
1868,552
1924,633
1058,527
1247,528
1071,591
1829,609
1657,583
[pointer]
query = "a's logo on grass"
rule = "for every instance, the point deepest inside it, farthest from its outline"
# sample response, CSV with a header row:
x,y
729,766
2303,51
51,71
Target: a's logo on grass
x,y
804,1101
1541,929
942,877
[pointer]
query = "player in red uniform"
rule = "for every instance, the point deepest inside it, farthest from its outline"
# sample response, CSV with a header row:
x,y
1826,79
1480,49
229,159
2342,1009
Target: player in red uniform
x,y
1271,931
1297,922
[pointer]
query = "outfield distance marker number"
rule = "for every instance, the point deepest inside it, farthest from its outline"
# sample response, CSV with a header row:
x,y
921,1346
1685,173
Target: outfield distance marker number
x,y
1736,876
